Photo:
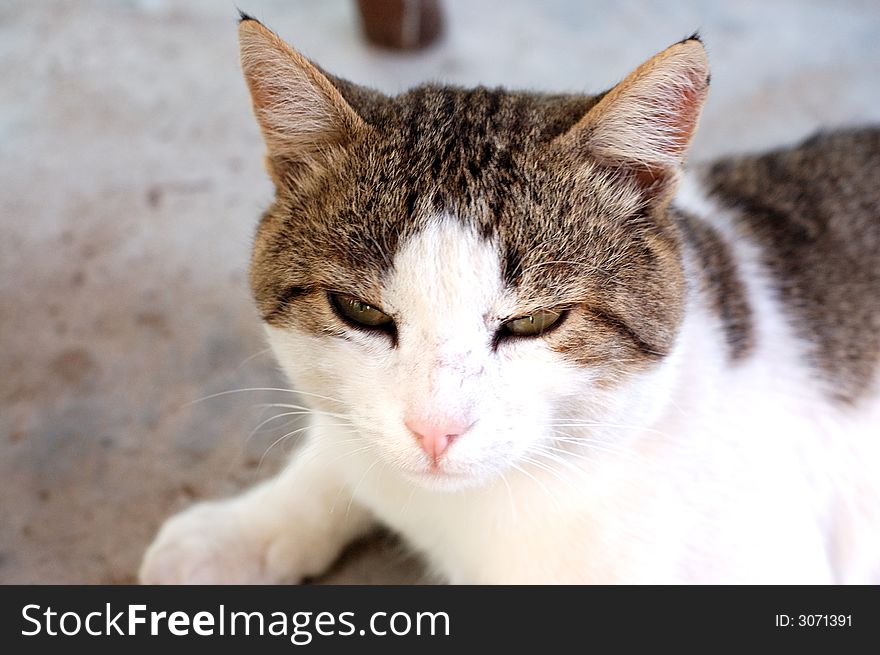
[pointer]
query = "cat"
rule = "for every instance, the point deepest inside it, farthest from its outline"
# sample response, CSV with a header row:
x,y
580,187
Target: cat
x,y
542,352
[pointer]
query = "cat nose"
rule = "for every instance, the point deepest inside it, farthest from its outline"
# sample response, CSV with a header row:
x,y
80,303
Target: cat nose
x,y
435,436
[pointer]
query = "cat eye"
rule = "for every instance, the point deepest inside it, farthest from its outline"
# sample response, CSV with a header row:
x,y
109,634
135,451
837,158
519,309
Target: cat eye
x,y
358,312
532,325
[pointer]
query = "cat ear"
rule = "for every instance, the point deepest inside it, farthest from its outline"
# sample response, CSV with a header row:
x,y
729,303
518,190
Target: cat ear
x,y
301,113
644,125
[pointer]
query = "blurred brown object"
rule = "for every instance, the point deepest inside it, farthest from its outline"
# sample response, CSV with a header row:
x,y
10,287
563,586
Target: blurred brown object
x,y
401,24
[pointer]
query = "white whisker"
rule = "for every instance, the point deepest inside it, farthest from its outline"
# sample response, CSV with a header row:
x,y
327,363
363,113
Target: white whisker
x,y
254,356
602,446
282,438
357,486
549,469
269,420
539,483
275,443
513,509
255,389
611,426
310,410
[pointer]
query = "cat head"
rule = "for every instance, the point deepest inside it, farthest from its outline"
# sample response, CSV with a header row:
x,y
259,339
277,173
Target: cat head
x,y
472,278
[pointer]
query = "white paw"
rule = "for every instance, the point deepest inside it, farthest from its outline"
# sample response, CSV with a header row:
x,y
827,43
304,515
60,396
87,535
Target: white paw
x,y
211,543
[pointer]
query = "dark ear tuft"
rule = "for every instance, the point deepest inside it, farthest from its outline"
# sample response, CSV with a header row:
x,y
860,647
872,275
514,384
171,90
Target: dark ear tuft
x,y
242,16
696,36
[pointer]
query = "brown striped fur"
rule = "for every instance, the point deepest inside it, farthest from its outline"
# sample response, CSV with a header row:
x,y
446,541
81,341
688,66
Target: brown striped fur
x,y
815,211
581,223
719,279
575,192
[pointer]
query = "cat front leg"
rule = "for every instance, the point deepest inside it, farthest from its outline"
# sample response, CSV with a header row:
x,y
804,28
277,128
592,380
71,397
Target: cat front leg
x,y
283,530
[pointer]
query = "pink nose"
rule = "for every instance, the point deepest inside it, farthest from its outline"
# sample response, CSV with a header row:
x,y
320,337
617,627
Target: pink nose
x,y
436,436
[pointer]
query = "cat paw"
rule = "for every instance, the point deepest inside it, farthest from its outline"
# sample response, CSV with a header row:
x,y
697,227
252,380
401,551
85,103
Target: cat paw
x,y
211,543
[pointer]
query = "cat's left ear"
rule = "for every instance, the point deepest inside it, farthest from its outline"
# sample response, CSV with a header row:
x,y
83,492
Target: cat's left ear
x,y
644,125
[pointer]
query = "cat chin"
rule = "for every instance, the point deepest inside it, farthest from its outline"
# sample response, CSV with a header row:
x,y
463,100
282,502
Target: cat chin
x,y
443,481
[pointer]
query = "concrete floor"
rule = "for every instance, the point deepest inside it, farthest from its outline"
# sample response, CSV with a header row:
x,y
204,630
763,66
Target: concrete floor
x,y
131,180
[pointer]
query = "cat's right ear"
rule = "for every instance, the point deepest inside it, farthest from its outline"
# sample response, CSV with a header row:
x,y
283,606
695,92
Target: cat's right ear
x,y
303,117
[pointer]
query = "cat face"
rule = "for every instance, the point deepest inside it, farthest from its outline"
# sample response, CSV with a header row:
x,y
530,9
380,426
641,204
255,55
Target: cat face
x,y
468,274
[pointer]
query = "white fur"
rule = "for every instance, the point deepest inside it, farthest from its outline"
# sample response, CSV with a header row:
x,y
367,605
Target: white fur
x,y
702,470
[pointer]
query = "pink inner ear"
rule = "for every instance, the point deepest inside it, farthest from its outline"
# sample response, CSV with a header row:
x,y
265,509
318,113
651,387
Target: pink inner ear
x,y
685,115
681,120
643,126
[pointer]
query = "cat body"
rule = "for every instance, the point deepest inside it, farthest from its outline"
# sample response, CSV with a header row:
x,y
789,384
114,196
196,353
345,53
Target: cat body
x,y
542,353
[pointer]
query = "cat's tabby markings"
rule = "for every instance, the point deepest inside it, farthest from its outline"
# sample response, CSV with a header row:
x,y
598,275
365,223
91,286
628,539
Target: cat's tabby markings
x,y
541,352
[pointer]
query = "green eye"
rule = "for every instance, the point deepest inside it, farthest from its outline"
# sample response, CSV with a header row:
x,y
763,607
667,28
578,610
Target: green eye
x,y
533,324
359,312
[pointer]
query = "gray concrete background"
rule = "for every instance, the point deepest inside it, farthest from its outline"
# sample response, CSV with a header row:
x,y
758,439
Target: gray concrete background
x,y
131,180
